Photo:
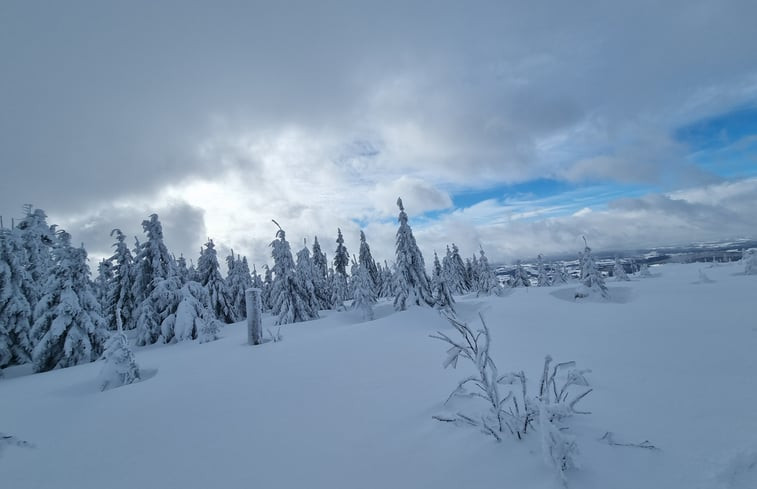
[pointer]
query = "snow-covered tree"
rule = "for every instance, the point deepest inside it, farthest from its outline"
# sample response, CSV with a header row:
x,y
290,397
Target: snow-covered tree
x,y
209,274
487,282
174,312
304,274
119,367
16,288
366,259
387,282
619,272
237,282
266,294
750,262
442,295
542,277
153,262
592,282
560,274
455,271
412,284
103,282
182,270
290,304
37,238
520,276
340,288
121,293
321,276
68,328
363,291
644,270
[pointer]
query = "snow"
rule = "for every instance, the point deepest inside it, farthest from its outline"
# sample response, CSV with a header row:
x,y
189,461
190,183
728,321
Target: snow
x,y
344,403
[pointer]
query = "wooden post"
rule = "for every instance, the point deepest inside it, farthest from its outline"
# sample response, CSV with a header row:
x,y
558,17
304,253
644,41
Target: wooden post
x,y
254,316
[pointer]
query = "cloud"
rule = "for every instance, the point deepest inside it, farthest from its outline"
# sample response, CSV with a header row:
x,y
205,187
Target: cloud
x,y
320,116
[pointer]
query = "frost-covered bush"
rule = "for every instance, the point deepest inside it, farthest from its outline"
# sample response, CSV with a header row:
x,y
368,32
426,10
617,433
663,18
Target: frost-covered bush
x,y
750,262
508,409
120,367
619,272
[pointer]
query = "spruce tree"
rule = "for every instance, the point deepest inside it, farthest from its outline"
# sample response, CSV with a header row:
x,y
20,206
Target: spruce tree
x,y
290,304
387,282
487,281
121,293
37,239
520,276
560,275
412,284
182,270
542,278
153,262
209,276
340,289
15,310
68,328
103,282
266,295
321,276
619,272
304,274
442,296
750,262
592,282
237,283
363,291
457,273
366,259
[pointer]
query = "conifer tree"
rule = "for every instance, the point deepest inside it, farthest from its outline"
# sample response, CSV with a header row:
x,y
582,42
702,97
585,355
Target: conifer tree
x,y
182,270
592,282
15,310
153,262
366,259
644,270
520,276
290,304
237,283
363,291
412,284
103,282
542,278
119,367
487,281
750,262
560,275
121,293
619,272
266,296
209,275
321,276
304,274
340,288
442,296
68,328
37,239
387,282
457,273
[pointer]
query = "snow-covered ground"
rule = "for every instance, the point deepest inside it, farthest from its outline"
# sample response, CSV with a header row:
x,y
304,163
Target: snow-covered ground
x,y
341,403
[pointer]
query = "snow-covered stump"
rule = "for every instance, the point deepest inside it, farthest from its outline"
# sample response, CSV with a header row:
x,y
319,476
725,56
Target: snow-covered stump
x,y
254,316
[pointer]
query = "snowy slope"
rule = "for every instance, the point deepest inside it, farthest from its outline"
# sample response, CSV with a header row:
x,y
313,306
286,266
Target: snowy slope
x,y
342,403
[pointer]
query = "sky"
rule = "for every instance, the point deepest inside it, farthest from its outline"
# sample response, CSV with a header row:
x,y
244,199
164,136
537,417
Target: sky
x,y
513,126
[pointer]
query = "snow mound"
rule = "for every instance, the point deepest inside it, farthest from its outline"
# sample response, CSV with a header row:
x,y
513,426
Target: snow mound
x,y
739,472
